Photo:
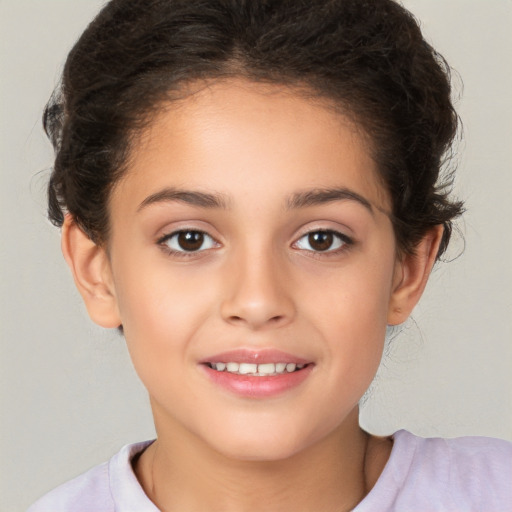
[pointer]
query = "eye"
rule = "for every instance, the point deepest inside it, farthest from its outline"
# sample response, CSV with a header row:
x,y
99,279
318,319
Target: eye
x,y
188,240
322,241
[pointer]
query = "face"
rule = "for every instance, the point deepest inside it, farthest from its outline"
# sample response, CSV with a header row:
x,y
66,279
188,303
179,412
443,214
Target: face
x,y
249,236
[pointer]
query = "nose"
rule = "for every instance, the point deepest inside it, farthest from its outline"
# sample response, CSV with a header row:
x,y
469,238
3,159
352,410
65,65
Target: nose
x,y
258,292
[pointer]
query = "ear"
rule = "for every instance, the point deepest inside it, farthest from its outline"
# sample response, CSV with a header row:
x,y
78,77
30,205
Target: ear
x,y
411,275
92,273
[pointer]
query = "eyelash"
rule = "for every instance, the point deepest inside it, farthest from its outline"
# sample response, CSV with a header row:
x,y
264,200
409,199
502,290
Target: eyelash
x,y
343,240
165,239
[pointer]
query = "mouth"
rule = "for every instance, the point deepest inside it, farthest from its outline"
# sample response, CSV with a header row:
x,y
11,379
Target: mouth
x,y
257,374
256,370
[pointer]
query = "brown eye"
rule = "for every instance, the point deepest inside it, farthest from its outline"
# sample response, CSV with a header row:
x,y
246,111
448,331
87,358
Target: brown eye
x,y
320,240
188,241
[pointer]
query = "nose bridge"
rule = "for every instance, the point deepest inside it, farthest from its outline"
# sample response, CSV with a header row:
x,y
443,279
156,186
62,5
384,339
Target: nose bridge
x,y
258,292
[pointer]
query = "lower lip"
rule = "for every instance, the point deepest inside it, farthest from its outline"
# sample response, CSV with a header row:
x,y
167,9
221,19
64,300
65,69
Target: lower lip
x,y
258,387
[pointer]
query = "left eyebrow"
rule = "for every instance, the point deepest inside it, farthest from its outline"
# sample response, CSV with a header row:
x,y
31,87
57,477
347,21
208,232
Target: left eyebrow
x,y
326,195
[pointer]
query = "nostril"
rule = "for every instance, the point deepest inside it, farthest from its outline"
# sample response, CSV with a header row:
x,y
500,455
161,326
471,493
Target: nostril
x,y
256,313
252,320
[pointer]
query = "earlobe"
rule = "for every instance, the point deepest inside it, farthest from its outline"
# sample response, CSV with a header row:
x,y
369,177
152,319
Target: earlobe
x,y
411,276
91,271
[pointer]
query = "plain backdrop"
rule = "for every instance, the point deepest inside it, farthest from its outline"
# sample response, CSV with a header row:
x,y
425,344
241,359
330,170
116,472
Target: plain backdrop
x,y
69,396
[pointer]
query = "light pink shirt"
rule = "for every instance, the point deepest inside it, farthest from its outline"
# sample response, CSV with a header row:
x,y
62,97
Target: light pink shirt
x,y
467,474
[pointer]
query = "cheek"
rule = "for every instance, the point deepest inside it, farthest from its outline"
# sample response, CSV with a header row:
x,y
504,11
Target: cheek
x,y
350,308
161,309
356,295
149,294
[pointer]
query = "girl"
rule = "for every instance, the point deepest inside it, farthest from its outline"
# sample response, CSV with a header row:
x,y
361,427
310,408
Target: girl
x,y
250,191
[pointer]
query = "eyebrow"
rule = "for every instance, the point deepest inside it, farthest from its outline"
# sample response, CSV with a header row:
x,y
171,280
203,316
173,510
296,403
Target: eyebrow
x,y
192,197
326,195
218,201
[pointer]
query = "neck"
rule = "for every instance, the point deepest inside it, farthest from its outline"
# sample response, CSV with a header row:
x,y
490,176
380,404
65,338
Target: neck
x,y
179,472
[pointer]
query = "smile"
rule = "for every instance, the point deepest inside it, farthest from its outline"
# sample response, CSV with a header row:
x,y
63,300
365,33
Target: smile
x,y
256,370
257,374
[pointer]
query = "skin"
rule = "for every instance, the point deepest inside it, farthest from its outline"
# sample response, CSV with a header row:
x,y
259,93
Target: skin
x,y
255,284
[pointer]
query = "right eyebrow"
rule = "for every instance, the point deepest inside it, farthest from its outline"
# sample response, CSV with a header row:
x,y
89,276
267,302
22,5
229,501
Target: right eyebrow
x,y
193,197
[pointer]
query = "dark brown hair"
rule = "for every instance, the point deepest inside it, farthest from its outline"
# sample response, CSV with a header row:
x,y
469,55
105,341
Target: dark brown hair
x,y
366,56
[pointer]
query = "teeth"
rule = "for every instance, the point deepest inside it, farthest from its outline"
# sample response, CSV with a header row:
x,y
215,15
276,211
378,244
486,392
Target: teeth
x,y
260,370
266,369
232,367
280,367
246,368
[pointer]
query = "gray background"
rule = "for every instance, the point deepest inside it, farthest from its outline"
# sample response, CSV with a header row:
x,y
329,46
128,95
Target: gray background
x,y
69,397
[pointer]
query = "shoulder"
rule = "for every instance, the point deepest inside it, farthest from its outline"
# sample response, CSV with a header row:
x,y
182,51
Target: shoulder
x,y
101,489
470,472
85,493
461,474
478,465
471,454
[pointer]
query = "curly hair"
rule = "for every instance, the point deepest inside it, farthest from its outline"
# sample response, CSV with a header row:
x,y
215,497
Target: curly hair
x,y
367,57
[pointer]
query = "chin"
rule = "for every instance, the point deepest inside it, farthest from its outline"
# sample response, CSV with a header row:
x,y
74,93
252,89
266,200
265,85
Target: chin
x,y
261,452
262,445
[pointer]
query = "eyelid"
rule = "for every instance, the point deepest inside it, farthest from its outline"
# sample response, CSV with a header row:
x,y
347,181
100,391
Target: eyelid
x,y
346,242
162,242
180,225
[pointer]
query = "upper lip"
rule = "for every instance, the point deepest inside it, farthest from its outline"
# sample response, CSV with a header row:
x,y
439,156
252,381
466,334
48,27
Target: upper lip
x,y
256,356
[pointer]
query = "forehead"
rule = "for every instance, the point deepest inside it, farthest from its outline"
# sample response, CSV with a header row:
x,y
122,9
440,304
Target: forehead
x,y
237,132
